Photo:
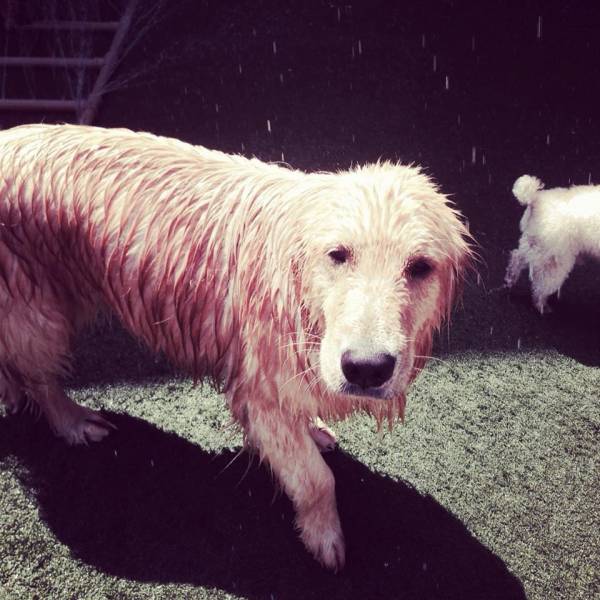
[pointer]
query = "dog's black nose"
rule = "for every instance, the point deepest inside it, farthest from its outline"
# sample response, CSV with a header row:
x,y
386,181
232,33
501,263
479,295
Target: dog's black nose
x,y
367,372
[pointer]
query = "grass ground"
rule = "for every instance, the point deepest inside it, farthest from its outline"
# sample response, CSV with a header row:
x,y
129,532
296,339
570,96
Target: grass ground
x,y
490,489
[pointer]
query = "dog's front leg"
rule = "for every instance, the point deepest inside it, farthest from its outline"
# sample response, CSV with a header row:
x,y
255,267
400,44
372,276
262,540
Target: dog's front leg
x,y
285,443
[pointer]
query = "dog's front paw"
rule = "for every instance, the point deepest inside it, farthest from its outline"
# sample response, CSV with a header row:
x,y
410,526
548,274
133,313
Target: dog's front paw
x,y
323,436
323,537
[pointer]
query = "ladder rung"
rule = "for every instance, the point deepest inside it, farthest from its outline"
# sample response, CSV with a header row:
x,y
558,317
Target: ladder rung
x,y
70,25
39,104
50,61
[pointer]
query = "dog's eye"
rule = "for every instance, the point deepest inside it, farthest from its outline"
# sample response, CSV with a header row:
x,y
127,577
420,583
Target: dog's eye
x,y
339,256
419,268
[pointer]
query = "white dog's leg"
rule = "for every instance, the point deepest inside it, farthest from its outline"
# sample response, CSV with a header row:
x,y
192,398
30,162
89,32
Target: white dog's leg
x,y
11,393
285,442
35,335
547,276
515,266
74,423
323,436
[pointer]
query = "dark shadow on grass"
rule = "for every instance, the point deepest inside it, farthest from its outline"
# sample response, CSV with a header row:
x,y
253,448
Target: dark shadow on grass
x,y
500,320
149,506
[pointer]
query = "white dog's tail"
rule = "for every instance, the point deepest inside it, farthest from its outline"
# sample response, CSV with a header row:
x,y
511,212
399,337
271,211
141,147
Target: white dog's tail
x,y
526,187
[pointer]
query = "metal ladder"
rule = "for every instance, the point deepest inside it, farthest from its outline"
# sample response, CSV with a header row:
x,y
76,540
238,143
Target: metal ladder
x,y
79,80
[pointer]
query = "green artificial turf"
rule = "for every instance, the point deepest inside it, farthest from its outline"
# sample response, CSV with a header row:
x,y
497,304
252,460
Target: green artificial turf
x,y
489,489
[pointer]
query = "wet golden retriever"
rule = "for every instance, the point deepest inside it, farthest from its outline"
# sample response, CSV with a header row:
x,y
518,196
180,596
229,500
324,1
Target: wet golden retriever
x,y
304,296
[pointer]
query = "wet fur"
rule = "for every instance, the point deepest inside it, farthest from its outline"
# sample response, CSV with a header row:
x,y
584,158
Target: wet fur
x,y
221,263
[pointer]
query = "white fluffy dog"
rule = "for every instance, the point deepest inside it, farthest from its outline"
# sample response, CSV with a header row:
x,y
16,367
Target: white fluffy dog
x,y
302,295
558,226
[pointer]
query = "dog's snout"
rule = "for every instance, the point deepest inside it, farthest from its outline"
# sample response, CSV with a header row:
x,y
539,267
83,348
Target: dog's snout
x,y
369,372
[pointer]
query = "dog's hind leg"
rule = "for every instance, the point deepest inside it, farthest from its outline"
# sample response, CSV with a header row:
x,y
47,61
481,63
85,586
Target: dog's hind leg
x,y
517,263
547,276
35,334
12,394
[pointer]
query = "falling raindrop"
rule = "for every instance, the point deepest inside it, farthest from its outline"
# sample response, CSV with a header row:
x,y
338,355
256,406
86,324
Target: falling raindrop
x,y
539,28
590,178
243,147
274,47
281,78
240,68
359,47
547,139
447,82
491,330
473,155
519,344
353,139
422,40
434,63
217,108
473,43
339,14
282,156
458,119
483,159
489,178
269,125
353,51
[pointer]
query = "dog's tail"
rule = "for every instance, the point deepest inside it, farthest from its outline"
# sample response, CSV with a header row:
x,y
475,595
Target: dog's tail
x,y
526,187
